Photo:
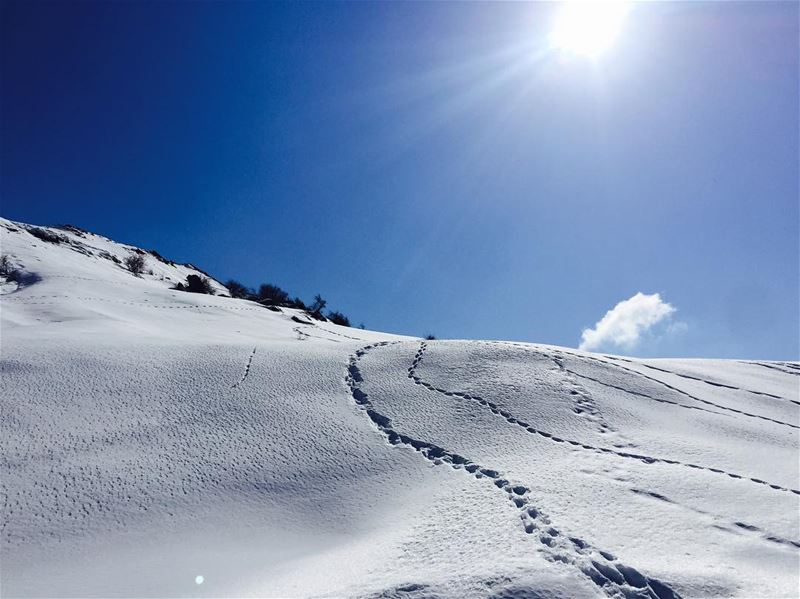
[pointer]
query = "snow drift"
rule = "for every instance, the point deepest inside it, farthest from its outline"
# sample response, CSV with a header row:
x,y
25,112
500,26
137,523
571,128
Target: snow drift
x,y
163,443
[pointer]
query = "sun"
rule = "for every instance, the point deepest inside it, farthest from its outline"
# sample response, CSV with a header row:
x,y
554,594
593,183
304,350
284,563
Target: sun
x,y
588,28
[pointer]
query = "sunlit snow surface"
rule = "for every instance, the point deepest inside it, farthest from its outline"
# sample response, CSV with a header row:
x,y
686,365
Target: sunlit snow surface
x,y
161,443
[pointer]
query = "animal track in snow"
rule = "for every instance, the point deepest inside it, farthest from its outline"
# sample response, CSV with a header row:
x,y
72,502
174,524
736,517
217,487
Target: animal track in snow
x,y
497,410
339,334
602,568
792,369
660,382
695,378
302,335
644,395
680,391
584,402
246,370
730,527
141,304
317,327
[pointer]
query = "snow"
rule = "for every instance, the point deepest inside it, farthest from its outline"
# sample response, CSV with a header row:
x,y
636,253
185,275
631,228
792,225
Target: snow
x,y
162,443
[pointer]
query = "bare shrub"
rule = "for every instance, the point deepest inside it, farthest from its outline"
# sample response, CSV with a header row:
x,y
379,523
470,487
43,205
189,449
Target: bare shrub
x,y
135,263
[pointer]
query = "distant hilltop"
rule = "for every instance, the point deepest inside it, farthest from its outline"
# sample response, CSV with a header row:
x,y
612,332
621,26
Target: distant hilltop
x,y
114,259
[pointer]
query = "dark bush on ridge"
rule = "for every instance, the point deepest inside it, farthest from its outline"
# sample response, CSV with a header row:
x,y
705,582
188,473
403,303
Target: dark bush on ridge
x,y
238,290
272,294
338,318
196,284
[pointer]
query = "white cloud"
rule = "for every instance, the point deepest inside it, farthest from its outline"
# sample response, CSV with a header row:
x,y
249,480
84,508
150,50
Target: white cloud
x,y
626,323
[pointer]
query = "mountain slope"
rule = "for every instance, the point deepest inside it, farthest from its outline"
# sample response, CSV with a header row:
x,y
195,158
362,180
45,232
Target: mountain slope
x,y
163,443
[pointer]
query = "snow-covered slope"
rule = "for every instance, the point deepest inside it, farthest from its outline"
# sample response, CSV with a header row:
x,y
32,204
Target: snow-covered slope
x,y
163,443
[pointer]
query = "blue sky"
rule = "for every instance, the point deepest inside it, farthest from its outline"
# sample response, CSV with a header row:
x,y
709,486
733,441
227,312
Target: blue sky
x,y
429,167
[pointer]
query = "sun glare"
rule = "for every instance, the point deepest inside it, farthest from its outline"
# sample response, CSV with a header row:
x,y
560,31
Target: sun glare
x,y
588,28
